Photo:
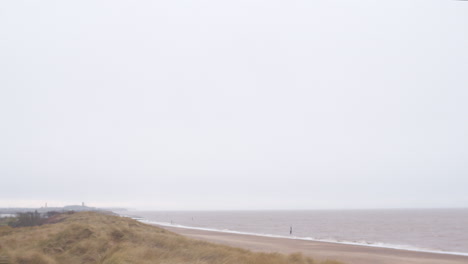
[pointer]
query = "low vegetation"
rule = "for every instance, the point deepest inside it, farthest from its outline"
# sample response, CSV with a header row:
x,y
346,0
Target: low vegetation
x,y
30,219
98,238
7,221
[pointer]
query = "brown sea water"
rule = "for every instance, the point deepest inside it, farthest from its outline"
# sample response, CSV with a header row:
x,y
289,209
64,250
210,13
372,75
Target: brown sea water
x,y
439,230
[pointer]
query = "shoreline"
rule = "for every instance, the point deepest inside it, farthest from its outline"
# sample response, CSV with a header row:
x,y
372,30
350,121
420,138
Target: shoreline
x,y
320,250
384,246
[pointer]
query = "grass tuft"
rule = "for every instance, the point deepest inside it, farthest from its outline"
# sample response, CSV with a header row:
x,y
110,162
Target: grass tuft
x,y
33,258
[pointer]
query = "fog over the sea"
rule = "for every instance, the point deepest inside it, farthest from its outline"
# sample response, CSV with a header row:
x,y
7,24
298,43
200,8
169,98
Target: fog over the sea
x,y
247,104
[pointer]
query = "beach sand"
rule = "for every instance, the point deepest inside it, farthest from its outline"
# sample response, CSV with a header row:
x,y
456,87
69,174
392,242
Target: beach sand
x,y
349,254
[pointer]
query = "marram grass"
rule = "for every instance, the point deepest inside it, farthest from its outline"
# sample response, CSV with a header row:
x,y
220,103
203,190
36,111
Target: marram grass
x,y
98,238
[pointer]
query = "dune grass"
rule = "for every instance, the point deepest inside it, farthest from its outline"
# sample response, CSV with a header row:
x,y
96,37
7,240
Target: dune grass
x,y
98,238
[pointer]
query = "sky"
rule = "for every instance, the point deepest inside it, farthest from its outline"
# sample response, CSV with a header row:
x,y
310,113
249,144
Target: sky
x,y
234,105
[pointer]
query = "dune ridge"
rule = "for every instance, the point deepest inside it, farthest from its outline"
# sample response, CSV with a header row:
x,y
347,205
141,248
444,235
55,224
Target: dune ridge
x,y
90,237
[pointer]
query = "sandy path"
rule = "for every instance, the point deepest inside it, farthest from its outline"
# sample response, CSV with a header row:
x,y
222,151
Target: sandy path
x,y
350,254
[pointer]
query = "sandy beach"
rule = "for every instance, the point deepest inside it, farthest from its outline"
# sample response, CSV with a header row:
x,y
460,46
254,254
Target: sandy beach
x,y
350,254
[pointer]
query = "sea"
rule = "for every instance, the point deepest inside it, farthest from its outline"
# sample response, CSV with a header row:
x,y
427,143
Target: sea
x,y
443,231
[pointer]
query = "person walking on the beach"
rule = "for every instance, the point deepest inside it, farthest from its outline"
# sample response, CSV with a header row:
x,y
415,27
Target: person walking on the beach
x,y
290,230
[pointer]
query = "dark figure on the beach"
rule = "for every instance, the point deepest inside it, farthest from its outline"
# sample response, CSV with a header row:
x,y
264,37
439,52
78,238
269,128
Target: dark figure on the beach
x,y
290,230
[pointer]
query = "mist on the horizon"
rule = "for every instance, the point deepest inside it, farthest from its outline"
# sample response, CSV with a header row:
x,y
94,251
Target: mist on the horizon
x,y
202,105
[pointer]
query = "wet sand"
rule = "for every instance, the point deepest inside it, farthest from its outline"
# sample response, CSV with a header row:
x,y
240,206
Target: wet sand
x,y
349,254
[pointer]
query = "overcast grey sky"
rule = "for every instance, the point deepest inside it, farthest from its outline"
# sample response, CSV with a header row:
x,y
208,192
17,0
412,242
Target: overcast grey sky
x,y
246,104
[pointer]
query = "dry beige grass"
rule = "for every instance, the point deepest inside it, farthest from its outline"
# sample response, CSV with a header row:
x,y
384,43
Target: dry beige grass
x,y
98,238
